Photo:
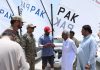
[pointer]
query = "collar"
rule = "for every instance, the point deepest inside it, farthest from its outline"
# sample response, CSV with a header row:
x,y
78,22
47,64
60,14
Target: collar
x,y
86,37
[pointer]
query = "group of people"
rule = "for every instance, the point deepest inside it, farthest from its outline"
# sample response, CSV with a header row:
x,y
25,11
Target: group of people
x,y
23,58
18,52
85,53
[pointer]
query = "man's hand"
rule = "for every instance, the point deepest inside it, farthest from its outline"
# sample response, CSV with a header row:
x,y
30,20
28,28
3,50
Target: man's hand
x,y
52,45
49,45
87,67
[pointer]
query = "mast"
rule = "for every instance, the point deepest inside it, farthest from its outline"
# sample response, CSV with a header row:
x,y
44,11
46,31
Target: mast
x,y
19,13
10,7
51,21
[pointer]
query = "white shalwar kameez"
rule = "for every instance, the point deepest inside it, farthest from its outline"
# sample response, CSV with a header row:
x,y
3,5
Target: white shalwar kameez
x,y
68,54
12,56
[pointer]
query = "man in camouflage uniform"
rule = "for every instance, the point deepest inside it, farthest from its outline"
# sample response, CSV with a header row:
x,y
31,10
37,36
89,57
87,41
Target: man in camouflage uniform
x,y
16,24
30,46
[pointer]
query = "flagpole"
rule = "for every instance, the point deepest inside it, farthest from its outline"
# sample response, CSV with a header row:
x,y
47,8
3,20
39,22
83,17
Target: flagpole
x,y
20,13
10,7
45,11
51,22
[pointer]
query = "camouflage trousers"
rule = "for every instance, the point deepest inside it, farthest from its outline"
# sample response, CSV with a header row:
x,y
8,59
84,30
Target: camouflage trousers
x,y
31,61
75,64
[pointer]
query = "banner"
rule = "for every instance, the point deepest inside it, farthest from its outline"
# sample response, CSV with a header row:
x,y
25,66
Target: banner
x,y
5,15
73,14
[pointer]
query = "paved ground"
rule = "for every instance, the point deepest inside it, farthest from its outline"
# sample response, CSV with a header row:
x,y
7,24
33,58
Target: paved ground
x,y
38,66
98,66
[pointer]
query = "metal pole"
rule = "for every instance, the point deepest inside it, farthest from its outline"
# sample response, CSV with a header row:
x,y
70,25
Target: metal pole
x,y
52,20
45,11
19,13
10,7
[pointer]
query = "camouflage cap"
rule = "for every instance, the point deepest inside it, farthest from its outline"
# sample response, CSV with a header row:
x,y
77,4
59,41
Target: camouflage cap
x,y
31,26
17,18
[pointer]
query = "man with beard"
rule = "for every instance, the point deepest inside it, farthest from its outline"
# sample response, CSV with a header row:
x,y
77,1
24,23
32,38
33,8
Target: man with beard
x,y
46,43
86,52
16,24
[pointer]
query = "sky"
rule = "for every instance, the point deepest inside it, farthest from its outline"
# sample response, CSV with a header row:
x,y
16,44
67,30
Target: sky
x,y
4,16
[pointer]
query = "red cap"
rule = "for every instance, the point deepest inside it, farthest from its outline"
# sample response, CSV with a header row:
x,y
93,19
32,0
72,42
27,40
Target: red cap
x,y
47,29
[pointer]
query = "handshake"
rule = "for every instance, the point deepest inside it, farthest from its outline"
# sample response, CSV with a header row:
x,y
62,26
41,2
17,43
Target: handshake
x,y
49,45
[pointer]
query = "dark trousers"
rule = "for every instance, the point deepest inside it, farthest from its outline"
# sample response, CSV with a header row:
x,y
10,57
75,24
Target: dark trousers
x,y
46,59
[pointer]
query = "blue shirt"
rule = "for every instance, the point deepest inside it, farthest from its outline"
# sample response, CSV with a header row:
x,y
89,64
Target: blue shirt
x,y
48,51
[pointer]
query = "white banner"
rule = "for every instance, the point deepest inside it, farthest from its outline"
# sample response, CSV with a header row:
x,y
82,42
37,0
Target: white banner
x,y
8,8
73,14
5,15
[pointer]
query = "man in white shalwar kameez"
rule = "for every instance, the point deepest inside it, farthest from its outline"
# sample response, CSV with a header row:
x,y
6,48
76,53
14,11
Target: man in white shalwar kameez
x,y
11,54
68,52
86,53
